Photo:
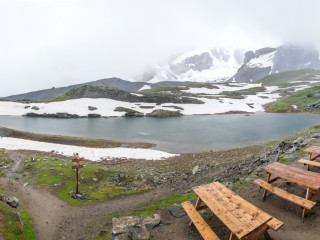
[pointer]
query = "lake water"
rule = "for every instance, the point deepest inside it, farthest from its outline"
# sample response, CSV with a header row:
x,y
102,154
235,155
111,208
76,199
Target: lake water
x,y
176,134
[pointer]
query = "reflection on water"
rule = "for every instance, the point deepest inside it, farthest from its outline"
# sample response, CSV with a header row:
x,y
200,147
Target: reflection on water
x,y
176,134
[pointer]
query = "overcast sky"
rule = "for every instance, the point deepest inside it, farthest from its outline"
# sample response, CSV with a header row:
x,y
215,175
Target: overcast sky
x,y
52,43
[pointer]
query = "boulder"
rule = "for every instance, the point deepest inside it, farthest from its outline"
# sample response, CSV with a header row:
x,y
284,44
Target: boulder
x,y
92,108
129,112
195,170
122,225
134,114
123,236
166,217
151,221
298,141
11,201
177,211
77,195
139,232
164,113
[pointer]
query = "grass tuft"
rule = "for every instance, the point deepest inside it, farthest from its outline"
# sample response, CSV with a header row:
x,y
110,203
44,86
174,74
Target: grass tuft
x,y
94,180
12,227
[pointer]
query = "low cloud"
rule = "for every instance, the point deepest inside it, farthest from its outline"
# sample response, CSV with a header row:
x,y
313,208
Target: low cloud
x,y
46,43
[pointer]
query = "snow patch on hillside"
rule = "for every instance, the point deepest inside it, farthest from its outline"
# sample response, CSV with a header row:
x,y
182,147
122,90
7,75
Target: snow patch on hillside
x,y
264,61
222,88
93,154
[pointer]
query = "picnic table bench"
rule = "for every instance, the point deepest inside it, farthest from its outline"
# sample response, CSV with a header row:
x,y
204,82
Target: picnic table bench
x,y
310,161
312,150
244,220
304,178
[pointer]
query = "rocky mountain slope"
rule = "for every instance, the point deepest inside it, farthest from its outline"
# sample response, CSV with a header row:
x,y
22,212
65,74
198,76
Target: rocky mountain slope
x,y
219,65
266,61
200,65
120,95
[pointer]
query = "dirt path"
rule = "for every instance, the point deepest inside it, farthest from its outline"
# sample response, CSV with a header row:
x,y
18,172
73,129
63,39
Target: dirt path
x,y
54,218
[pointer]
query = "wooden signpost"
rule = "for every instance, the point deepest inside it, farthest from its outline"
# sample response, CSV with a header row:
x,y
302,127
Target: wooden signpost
x,y
76,161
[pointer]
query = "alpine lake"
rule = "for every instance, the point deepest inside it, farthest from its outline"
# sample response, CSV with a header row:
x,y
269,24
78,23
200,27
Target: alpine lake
x,y
175,134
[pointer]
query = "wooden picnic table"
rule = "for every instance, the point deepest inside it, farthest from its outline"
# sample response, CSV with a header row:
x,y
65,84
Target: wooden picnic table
x,y
304,178
244,220
312,150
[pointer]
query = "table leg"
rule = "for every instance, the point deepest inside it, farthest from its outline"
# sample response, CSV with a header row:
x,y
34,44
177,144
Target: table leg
x,y
307,197
266,235
310,159
196,207
263,230
232,236
265,191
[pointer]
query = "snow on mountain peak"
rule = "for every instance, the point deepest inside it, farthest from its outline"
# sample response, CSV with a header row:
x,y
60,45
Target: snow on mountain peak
x,y
199,65
233,64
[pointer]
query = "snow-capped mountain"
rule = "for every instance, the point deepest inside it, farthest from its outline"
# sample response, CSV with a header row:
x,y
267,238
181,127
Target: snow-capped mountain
x,y
266,61
222,64
200,65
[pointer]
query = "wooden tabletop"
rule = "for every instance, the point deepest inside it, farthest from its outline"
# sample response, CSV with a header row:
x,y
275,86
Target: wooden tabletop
x,y
297,175
313,149
240,216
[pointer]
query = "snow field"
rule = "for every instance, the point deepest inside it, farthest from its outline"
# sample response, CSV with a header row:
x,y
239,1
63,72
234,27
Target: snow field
x,y
93,154
105,107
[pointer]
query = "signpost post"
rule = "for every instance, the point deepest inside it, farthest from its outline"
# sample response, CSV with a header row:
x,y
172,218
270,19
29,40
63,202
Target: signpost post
x,y
76,161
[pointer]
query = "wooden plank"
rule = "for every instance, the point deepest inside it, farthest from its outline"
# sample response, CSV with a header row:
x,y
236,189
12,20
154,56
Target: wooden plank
x,y
235,208
239,202
305,161
296,175
288,196
203,228
235,226
274,224
313,149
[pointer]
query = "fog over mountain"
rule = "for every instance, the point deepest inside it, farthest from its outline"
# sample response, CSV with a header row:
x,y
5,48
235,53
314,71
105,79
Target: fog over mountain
x,y
55,43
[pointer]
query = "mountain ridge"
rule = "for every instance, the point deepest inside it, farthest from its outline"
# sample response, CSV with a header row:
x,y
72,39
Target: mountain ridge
x,y
203,65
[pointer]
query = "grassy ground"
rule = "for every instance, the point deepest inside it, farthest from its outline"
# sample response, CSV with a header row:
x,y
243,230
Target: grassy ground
x,y
76,141
4,162
241,94
302,99
13,229
57,175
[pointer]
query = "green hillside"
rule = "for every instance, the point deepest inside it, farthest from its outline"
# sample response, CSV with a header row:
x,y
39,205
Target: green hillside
x,y
286,79
305,101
